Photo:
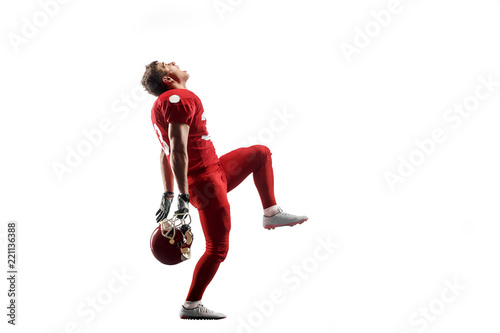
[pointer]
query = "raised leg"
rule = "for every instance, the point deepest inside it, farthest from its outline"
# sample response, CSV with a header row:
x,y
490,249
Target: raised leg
x,y
240,163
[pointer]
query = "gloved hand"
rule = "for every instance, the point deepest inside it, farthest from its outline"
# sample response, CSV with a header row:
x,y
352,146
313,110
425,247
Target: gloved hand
x,y
182,205
166,202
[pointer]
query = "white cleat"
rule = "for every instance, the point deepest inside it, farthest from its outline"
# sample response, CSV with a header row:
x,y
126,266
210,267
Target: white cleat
x,y
200,313
282,219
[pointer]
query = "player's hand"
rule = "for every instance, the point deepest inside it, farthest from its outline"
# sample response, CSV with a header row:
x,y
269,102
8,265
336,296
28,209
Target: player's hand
x,y
182,205
166,202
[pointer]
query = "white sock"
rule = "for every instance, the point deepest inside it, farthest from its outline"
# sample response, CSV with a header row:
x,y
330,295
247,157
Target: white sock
x,y
271,211
191,304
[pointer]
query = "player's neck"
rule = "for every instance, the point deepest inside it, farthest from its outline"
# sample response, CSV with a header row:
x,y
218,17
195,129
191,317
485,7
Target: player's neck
x,y
178,85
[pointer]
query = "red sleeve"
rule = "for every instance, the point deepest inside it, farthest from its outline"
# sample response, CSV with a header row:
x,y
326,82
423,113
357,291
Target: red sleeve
x,y
180,109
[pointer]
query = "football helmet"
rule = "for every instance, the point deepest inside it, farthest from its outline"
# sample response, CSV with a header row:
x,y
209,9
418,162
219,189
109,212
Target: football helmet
x,y
171,240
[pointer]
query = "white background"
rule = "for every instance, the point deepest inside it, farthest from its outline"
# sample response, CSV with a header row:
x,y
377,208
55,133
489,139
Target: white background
x,y
352,121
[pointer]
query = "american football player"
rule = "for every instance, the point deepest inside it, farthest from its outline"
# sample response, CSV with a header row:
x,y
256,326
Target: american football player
x,y
203,179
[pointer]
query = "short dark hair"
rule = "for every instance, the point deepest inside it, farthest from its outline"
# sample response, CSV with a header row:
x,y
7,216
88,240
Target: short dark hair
x,y
152,79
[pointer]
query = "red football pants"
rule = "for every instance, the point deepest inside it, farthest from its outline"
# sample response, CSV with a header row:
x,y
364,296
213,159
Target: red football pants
x,y
208,193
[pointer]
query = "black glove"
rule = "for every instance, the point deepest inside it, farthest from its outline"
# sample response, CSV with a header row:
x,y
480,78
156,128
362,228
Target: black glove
x,y
182,205
166,202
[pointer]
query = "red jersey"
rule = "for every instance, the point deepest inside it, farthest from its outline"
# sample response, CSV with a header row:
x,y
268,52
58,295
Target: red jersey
x,y
183,106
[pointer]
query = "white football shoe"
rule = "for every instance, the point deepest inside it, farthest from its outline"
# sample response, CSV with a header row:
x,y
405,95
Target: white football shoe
x,y
282,219
200,313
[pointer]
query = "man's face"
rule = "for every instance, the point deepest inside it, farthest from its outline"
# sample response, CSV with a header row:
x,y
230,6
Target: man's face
x,y
172,71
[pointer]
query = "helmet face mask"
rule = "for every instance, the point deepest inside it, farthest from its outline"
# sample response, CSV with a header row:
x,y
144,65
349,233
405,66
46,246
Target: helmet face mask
x,y
171,240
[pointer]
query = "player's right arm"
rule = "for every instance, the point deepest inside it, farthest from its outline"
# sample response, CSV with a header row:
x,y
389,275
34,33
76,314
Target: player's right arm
x,y
178,137
167,176
168,185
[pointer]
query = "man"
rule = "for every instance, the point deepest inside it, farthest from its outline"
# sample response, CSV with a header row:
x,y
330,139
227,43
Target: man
x,y
203,179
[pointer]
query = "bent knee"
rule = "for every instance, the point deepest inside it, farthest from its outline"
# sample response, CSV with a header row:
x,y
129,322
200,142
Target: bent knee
x,y
219,251
222,256
263,152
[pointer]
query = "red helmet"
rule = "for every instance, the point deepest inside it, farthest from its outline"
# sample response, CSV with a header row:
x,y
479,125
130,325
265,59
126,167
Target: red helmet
x,y
171,243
